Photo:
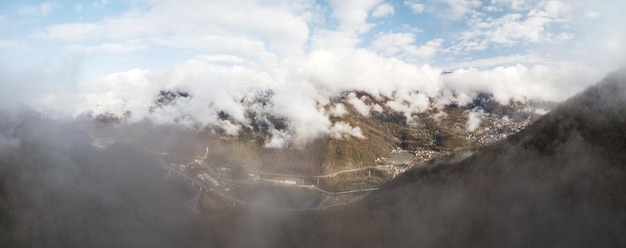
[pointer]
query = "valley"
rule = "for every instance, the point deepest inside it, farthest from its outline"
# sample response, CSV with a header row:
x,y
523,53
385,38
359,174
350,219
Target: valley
x,y
312,123
323,182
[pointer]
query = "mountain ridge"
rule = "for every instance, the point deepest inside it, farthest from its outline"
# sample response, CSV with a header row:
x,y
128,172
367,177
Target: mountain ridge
x,y
377,133
561,182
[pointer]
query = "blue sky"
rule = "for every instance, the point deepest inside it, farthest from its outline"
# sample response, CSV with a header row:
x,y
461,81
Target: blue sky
x,y
445,33
114,56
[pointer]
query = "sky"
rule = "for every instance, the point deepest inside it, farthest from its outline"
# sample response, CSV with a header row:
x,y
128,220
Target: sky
x,y
107,56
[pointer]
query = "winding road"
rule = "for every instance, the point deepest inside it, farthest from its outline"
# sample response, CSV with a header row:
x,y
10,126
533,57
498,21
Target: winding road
x,y
325,204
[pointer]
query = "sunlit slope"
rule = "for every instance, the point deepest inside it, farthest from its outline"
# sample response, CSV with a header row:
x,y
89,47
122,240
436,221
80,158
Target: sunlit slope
x,y
442,129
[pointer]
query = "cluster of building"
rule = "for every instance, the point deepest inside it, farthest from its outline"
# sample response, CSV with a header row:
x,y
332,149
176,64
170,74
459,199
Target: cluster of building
x,y
284,181
392,169
102,143
422,156
496,129
208,178
493,130
224,172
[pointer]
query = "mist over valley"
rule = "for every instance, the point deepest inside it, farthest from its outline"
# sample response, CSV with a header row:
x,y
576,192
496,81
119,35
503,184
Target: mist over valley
x,y
304,123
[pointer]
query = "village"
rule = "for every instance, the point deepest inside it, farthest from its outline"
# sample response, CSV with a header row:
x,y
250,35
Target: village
x,y
494,128
400,160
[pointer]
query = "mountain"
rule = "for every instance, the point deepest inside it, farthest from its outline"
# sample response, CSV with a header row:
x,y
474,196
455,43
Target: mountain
x,y
365,129
57,190
561,182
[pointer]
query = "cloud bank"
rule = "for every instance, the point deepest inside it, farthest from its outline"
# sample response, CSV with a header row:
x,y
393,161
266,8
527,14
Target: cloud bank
x,y
227,65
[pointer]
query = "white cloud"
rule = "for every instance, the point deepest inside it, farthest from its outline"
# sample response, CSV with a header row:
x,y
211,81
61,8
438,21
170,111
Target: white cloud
x,y
13,45
352,14
71,32
491,8
279,139
298,103
100,3
130,46
229,127
216,88
42,9
563,36
552,9
403,44
377,108
612,44
429,49
253,49
363,70
439,116
393,43
306,54
535,26
383,10
358,104
277,26
516,5
592,14
415,7
511,29
474,118
343,131
226,59
460,8
302,97
338,110
334,40
409,103
548,83
503,61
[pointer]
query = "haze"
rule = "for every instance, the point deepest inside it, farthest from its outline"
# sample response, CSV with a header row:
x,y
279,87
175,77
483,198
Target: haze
x,y
313,123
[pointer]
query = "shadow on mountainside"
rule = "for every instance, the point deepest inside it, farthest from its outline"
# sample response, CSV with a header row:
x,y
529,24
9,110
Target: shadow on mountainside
x,y
559,183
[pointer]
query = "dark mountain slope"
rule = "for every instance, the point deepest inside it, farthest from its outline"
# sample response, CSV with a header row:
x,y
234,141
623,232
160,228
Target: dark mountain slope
x,y
559,183
56,190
